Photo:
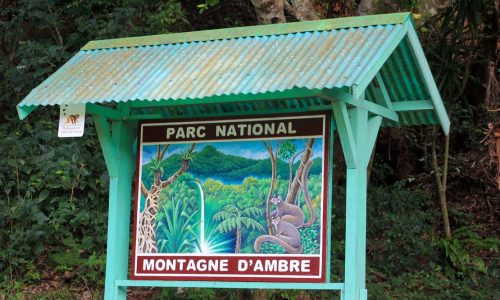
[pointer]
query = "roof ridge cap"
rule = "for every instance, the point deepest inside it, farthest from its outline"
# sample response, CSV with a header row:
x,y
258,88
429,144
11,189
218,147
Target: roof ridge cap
x,y
249,31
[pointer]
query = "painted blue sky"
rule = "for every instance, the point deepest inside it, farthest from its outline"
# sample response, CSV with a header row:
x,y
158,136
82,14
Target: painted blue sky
x,y
247,149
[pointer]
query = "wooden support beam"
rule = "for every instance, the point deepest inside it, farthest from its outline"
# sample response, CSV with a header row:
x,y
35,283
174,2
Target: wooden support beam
x,y
145,117
356,185
345,132
413,105
233,114
374,108
105,140
288,94
109,113
374,124
382,92
229,285
120,199
429,80
358,132
116,140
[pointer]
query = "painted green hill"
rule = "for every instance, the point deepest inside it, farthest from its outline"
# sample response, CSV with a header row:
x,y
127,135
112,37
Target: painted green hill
x,y
210,162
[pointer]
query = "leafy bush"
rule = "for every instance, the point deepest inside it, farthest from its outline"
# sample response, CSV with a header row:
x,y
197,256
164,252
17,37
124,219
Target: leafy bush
x,y
461,252
176,231
399,229
54,190
309,237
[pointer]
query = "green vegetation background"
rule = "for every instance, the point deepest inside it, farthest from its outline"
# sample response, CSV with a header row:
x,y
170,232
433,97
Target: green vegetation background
x,y
53,208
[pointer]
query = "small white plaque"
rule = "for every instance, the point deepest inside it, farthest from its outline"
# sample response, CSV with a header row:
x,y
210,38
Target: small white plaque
x,y
71,120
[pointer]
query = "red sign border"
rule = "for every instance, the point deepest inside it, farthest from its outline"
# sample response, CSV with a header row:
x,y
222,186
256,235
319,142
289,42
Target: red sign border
x,y
324,257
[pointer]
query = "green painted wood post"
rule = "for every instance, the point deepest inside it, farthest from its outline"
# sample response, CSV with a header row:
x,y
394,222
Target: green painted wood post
x,y
355,256
118,147
357,132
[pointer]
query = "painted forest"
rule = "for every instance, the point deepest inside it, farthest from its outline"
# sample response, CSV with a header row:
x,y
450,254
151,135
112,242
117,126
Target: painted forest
x,y
433,201
222,203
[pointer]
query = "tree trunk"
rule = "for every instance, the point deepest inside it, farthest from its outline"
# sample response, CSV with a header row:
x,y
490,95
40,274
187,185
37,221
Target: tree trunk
x,y
269,11
441,179
273,157
295,186
365,7
290,169
273,11
302,10
269,195
238,239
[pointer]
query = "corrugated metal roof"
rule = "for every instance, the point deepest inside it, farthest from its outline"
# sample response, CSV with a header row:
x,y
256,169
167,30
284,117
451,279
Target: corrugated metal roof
x,y
246,65
244,62
404,82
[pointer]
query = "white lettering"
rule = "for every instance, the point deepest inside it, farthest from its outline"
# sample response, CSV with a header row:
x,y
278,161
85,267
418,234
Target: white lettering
x,y
223,265
180,133
231,131
148,264
281,128
271,265
181,264
201,265
242,128
242,265
170,264
282,266
200,132
305,266
190,132
257,129
258,266
160,265
220,130
170,131
191,266
294,265
268,129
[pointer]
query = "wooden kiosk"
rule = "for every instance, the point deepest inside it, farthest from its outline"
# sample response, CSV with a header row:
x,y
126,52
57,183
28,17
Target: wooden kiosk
x,y
368,71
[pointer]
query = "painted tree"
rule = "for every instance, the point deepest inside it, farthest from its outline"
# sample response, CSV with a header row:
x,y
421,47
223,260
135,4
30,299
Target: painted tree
x,y
147,218
273,155
288,153
232,218
297,183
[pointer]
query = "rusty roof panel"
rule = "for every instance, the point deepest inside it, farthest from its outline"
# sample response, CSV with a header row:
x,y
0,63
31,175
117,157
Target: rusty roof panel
x,y
243,65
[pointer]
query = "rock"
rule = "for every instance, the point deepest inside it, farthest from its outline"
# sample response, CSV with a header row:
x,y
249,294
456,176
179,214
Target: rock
x,y
87,295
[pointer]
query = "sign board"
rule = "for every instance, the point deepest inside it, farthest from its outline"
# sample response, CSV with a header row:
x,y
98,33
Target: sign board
x,y
241,199
71,120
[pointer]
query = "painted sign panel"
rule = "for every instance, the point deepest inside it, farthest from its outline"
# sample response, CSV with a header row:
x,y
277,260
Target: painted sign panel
x,y
232,200
71,120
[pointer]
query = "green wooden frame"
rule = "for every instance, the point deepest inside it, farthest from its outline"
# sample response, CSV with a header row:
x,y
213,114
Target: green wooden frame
x,y
357,122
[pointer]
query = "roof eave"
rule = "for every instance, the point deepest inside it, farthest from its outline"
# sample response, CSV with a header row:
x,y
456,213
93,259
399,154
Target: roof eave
x,y
440,109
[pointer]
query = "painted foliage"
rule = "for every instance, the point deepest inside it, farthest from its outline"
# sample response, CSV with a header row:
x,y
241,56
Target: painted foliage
x,y
232,198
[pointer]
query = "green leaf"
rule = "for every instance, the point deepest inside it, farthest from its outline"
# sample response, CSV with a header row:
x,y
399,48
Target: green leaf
x,y
43,195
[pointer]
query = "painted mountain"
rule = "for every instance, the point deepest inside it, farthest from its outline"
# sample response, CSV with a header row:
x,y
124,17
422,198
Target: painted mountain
x,y
212,163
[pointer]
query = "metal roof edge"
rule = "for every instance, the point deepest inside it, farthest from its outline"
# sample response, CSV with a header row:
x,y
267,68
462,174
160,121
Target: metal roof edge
x,y
440,109
249,31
